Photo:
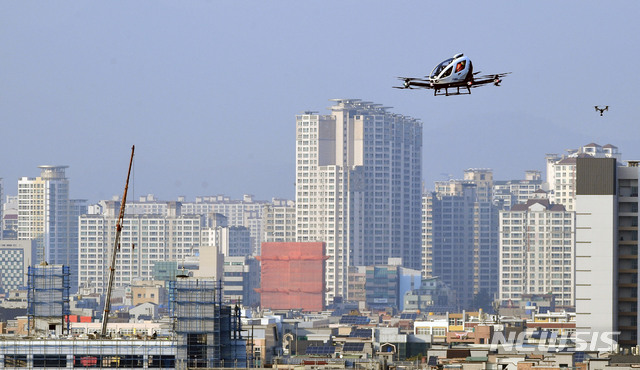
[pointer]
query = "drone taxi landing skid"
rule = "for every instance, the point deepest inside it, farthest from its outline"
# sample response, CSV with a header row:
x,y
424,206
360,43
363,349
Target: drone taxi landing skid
x,y
453,73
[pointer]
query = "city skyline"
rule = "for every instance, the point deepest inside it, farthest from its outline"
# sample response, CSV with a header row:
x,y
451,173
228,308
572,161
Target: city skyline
x,y
455,174
205,90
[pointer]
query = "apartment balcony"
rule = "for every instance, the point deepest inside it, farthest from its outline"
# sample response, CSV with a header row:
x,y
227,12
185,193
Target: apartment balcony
x,y
632,313
627,228
627,285
627,213
627,299
628,271
628,257
627,242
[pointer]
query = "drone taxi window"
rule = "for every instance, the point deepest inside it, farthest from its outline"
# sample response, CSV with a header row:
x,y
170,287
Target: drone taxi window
x,y
440,67
460,65
447,72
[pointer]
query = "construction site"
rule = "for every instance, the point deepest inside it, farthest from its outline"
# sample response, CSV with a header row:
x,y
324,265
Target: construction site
x,y
203,332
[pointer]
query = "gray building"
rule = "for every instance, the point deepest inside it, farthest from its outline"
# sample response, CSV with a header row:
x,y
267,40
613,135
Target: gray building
x,y
240,278
508,193
15,258
460,237
451,233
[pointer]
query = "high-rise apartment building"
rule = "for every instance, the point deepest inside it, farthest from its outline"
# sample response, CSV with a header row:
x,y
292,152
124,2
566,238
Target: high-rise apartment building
x,y
358,187
561,171
449,249
508,193
246,212
234,241
279,222
460,237
537,253
10,217
145,240
48,216
607,249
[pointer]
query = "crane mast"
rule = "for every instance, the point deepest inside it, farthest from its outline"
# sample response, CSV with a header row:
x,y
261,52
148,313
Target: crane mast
x,y
116,247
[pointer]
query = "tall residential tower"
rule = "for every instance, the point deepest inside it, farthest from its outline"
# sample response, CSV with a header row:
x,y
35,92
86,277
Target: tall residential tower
x,y
358,187
48,216
607,250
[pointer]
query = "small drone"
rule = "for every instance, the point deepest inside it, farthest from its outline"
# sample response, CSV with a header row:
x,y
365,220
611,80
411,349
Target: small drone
x,y
601,110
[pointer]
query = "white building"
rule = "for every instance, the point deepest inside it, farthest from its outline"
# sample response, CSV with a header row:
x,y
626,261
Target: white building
x,y
537,252
279,222
607,248
246,212
48,216
561,171
511,192
145,239
358,187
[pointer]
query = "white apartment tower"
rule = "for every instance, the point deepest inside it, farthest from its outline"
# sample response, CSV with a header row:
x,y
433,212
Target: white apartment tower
x,y
537,252
48,216
607,249
358,187
145,239
279,222
245,212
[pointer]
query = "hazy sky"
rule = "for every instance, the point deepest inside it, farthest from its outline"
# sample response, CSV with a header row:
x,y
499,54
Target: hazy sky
x,y
208,90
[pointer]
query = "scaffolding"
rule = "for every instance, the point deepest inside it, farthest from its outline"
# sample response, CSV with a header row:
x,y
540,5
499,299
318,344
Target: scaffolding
x,y
203,326
48,299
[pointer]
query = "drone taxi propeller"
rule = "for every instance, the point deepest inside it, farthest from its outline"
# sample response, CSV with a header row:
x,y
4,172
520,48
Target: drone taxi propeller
x,y
454,73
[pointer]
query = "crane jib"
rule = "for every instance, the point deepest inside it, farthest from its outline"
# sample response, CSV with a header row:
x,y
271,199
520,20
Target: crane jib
x,y
116,246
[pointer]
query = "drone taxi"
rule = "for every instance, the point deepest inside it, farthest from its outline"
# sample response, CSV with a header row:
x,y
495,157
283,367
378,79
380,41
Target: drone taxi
x,y
453,73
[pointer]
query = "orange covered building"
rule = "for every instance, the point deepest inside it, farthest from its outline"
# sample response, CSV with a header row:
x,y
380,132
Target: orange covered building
x,y
292,276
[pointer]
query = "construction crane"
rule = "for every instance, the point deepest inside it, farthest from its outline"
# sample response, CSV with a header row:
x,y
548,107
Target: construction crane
x,y
116,247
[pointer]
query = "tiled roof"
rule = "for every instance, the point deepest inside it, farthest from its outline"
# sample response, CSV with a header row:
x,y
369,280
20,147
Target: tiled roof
x,y
544,202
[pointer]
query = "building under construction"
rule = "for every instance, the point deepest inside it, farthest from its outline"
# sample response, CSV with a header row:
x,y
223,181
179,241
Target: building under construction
x,y
48,299
207,333
293,275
